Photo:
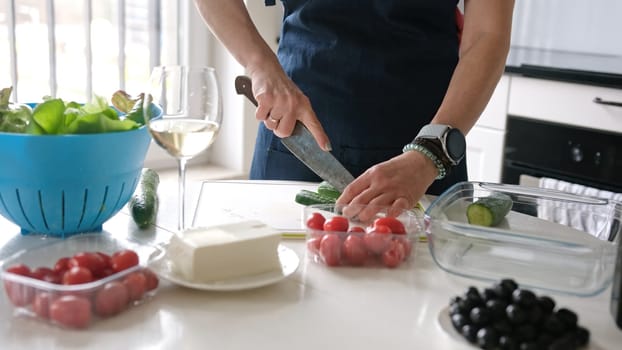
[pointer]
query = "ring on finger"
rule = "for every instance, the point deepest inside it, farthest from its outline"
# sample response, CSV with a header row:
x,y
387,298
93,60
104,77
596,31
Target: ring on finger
x,y
274,120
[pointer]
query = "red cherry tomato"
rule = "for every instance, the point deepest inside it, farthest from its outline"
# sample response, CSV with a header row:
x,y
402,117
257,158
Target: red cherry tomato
x,y
77,275
394,224
71,311
106,258
152,280
20,269
378,239
406,244
18,293
330,249
313,244
136,284
336,224
89,260
356,229
354,250
61,265
394,255
41,304
111,299
124,259
41,272
316,221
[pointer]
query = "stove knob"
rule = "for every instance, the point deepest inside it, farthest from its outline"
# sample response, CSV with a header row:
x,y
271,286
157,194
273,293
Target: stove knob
x,y
576,153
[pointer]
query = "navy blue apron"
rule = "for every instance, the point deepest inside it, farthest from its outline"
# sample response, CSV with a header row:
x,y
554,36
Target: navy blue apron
x,y
375,72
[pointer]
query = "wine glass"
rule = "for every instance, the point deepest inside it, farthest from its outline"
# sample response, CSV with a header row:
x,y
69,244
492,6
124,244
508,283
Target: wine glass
x,y
189,100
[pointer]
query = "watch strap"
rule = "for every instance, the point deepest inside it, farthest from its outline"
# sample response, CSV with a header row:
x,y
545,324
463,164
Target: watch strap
x,y
432,131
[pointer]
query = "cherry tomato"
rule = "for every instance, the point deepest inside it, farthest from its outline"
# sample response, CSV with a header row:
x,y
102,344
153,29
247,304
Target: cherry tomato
x,y
336,224
354,250
77,275
407,244
330,249
71,311
394,255
111,299
152,280
92,261
106,258
316,221
41,304
61,265
136,284
124,259
40,273
18,293
356,229
313,244
378,239
394,224
20,269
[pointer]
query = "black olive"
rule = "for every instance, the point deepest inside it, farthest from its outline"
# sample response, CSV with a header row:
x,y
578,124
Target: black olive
x,y
469,331
524,298
546,303
489,294
544,340
459,320
487,338
528,346
516,314
554,325
526,333
509,284
582,335
535,315
455,309
480,316
506,342
503,327
496,308
568,317
473,295
567,342
502,292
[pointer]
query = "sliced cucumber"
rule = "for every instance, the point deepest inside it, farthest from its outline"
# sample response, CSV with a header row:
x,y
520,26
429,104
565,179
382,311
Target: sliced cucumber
x,y
489,211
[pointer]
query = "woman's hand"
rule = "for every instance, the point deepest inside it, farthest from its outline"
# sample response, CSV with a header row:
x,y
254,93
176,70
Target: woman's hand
x,y
398,182
281,103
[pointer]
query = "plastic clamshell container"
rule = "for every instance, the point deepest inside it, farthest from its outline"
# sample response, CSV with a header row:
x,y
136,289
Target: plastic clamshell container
x,y
366,247
22,292
551,240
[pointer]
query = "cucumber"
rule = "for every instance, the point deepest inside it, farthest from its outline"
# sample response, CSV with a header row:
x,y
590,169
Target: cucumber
x,y
144,202
327,190
489,211
306,197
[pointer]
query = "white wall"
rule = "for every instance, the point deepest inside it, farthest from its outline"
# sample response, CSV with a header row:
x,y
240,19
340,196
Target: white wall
x,y
586,26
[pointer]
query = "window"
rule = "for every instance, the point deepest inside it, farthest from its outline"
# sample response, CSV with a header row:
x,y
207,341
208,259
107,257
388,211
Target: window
x,y
76,49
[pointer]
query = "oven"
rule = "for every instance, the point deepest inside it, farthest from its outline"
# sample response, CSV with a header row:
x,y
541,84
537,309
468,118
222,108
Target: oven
x,y
537,148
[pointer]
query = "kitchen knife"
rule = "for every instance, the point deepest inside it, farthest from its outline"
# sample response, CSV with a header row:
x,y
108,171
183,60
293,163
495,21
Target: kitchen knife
x,y
302,144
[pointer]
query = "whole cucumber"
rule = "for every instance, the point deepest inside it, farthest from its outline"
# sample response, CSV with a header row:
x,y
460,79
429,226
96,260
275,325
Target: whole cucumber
x,y
144,202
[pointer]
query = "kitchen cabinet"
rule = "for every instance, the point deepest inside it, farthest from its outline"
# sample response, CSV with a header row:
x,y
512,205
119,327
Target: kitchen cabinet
x,y
485,140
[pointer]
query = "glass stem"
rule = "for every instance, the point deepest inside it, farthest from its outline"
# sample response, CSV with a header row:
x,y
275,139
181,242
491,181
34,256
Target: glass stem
x,y
182,194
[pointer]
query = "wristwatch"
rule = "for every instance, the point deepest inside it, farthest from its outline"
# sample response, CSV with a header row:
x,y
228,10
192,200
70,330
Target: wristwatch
x,y
444,145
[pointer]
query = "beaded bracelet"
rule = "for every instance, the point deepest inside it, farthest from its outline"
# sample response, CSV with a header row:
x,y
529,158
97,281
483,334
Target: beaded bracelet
x,y
426,152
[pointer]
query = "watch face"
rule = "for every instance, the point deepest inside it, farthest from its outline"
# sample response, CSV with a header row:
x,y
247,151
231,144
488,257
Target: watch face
x,y
456,145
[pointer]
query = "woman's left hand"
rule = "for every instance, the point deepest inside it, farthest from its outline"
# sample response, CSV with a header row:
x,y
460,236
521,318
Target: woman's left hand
x,y
398,182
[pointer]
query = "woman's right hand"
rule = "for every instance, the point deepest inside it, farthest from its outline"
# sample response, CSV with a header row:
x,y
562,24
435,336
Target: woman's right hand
x,y
281,103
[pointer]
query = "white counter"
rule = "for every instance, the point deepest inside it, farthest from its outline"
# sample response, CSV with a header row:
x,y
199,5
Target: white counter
x,y
316,308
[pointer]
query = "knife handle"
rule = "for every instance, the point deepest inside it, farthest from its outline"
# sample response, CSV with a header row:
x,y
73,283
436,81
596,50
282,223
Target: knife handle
x,y
243,86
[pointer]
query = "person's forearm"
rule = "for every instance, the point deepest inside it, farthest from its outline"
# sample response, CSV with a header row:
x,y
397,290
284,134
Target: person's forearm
x,y
231,24
483,54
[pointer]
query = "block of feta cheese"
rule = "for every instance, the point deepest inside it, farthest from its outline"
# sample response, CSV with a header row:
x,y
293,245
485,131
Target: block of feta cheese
x,y
225,251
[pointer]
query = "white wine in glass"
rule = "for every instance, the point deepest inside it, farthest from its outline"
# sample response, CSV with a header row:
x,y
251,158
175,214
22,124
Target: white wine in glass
x,y
190,102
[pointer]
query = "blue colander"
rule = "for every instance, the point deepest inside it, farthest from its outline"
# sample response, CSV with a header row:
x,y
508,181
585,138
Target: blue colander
x,y
61,185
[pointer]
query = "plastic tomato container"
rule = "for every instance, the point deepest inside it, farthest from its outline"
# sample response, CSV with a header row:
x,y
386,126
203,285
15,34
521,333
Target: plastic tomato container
x,y
360,235
79,305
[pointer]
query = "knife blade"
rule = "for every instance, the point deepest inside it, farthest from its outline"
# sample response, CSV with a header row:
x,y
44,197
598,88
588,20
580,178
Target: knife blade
x,y
302,144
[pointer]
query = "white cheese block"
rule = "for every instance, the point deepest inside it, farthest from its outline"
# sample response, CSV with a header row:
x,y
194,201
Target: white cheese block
x,y
225,251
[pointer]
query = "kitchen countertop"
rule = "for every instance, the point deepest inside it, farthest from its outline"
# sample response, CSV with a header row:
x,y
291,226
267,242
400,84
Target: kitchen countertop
x,y
315,308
